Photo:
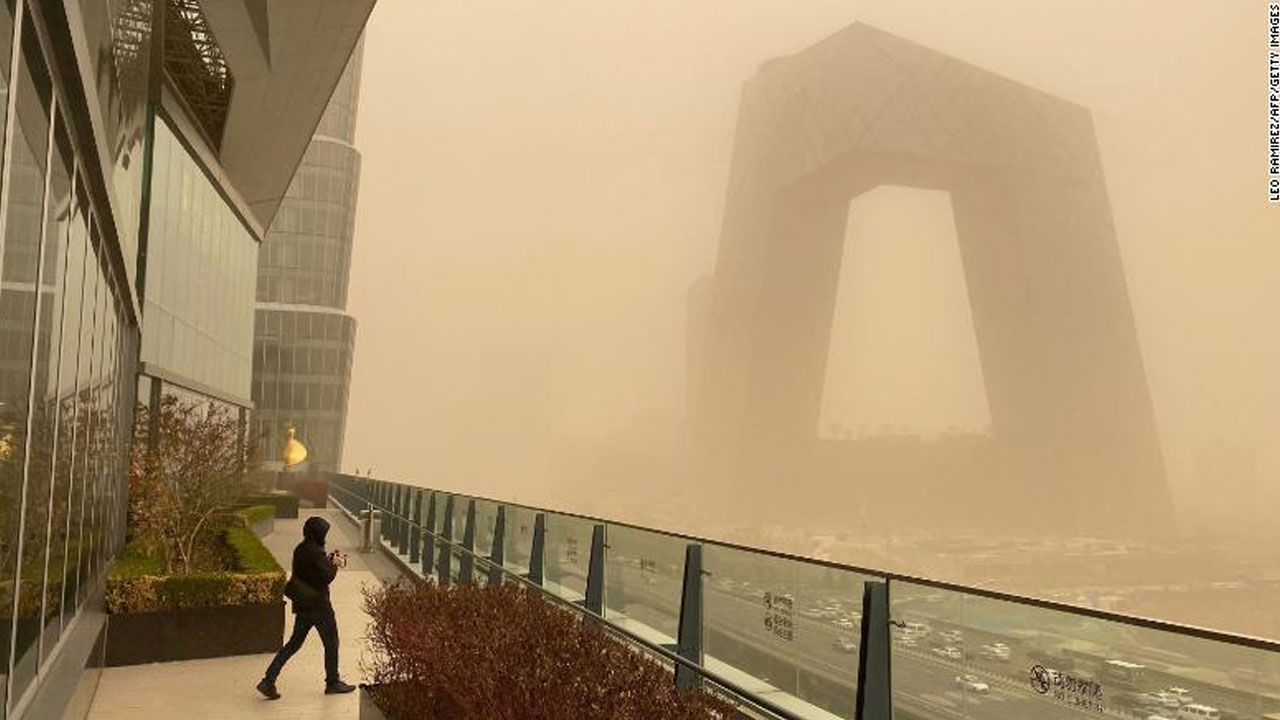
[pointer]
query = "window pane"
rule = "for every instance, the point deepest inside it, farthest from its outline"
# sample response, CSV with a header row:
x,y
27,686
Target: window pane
x,y
66,501
19,315
793,624
45,415
80,475
645,572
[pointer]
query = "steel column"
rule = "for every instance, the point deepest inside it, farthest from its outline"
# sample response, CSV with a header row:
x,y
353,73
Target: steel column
x,y
415,529
875,696
429,540
595,572
689,642
497,555
539,548
467,563
444,566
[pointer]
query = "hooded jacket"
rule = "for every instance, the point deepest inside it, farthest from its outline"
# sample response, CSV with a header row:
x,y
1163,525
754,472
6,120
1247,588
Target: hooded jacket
x,y
311,565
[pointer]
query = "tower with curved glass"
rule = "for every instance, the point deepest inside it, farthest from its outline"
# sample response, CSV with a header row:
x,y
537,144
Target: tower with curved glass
x,y
303,336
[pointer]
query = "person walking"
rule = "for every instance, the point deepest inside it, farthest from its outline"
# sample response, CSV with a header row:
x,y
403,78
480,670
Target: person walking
x,y
308,589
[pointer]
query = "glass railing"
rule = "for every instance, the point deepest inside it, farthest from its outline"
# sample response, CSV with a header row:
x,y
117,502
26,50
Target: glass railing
x,y
792,637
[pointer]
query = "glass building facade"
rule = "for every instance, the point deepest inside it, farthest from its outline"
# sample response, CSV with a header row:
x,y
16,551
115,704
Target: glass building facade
x,y
68,341
201,262
303,338
129,230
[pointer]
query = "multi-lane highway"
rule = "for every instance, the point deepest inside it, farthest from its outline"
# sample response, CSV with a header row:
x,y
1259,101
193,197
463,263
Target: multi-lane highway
x,y
814,667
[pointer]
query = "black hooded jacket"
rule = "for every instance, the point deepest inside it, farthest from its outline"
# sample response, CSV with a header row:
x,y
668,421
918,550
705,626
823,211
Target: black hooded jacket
x,y
311,565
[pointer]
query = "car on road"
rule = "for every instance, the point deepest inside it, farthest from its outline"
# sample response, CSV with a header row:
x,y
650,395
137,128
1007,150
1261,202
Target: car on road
x,y
1198,712
952,637
995,651
844,622
972,683
951,652
907,642
1183,694
915,629
845,644
1160,698
1156,715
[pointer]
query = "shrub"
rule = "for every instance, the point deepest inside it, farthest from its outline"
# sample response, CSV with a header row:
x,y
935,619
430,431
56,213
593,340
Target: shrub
x,y
137,582
505,652
187,466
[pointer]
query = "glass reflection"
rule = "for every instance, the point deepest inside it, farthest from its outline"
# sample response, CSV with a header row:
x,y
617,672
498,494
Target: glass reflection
x,y
24,427
962,655
198,316
792,624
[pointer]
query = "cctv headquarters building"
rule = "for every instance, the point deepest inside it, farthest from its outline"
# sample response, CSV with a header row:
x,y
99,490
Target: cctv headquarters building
x,y
148,147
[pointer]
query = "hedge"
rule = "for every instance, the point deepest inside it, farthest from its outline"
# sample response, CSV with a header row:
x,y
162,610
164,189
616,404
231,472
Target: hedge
x,y
137,583
255,513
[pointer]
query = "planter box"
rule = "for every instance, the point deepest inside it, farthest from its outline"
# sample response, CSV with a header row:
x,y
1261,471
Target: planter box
x,y
136,638
310,490
369,710
286,505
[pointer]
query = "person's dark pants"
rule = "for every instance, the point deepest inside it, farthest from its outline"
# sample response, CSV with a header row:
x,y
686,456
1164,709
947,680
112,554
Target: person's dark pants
x,y
326,626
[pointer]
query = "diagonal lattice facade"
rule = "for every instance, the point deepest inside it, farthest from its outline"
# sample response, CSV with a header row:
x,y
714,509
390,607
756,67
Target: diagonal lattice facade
x,y
196,64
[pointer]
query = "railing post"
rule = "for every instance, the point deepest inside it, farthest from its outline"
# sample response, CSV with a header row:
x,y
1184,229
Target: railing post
x,y
539,548
875,696
689,642
444,566
595,572
429,541
383,496
497,555
415,528
395,518
401,525
405,496
467,563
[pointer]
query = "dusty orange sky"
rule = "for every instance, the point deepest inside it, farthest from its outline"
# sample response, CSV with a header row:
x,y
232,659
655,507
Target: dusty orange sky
x,y
543,181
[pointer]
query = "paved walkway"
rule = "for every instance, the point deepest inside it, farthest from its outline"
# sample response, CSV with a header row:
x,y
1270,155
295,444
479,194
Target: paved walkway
x,y
222,688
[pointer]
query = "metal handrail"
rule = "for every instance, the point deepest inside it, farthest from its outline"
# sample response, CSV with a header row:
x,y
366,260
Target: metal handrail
x,y
733,689
1247,641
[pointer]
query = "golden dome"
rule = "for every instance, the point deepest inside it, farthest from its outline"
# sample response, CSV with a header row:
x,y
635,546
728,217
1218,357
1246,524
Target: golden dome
x,y
294,451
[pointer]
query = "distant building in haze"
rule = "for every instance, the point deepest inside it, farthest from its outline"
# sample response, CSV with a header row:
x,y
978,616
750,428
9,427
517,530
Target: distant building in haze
x,y
303,337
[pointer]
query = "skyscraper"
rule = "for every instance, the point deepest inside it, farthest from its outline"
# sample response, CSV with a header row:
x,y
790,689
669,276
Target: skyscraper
x,y
303,336
144,150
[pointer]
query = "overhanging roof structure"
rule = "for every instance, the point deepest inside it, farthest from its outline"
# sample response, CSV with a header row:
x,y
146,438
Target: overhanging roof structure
x,y
286,57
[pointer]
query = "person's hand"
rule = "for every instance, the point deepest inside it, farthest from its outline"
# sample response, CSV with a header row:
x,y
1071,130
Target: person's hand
x,y
337,559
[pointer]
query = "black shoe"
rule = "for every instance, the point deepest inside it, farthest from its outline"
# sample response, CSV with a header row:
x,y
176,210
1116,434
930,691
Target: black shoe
x,y
338,688
268,689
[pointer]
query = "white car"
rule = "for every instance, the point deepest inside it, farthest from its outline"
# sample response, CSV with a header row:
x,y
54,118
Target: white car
x,y
845,644
1198,712
916,628
994,652
908,642
845,623
972,683
1165,699
950,652
1183,695
952,636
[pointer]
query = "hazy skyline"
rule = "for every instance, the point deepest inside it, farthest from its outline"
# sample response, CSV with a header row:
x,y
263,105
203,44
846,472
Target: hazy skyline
x,y
542,183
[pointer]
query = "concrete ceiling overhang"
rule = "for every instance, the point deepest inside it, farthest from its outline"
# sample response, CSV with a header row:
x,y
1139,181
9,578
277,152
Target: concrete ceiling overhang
x,y
286,57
